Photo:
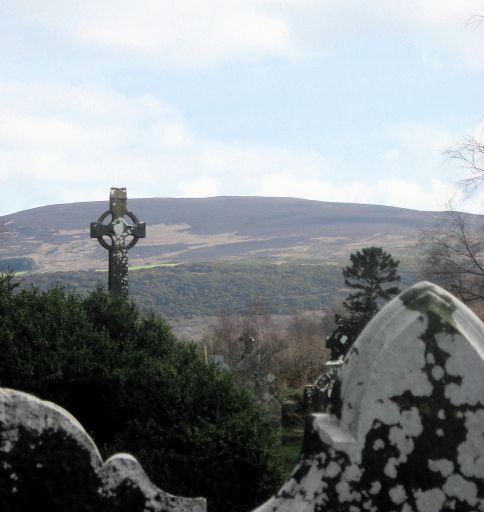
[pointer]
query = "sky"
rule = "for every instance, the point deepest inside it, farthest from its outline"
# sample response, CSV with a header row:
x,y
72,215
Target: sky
x,y
332,100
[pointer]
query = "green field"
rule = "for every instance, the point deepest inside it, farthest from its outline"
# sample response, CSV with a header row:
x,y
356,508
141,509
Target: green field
x,y
292,438
143,267
154,265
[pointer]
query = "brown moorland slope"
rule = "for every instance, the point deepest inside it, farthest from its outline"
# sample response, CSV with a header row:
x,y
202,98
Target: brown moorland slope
x,y
56,237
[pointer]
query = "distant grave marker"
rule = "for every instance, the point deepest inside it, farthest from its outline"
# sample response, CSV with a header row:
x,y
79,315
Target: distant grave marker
x,y
251,373
122,226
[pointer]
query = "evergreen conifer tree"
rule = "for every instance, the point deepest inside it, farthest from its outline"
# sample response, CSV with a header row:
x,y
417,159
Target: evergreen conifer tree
x,y
371,274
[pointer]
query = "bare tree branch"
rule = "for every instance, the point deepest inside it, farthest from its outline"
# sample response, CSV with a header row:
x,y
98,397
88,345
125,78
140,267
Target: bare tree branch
x,y
454,255
470,154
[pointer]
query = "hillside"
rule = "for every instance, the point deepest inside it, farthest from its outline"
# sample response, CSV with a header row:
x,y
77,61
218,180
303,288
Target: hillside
x,y
56,237
205,289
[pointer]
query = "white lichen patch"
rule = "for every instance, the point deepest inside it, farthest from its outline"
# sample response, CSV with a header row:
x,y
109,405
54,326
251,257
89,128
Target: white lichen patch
x,y
390,469
462,489
375,487
314,483
429,501
403,443
344,492
443,466
470,454
411,422
368,505
379,444
465,364
333,469
352,473
398,494
437,372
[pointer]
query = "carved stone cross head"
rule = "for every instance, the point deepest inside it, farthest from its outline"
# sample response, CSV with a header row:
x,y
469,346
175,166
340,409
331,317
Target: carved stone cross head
x,y
118,229
120,234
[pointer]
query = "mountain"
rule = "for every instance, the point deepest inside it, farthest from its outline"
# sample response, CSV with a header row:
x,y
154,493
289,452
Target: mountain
x,y
56,237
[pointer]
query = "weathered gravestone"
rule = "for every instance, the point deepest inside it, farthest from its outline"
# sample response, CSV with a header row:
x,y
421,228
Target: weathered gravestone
x,y
48,462
122,232
253,374
405,431
317,395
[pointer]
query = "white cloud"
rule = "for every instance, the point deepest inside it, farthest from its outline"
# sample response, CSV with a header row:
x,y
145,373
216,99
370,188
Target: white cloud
x,y
62,142
387,191
410,194
65,142
68,141
473,203
426,140
200,187
196,33
174,33
294,185
251,162
448,23
445,22
430,12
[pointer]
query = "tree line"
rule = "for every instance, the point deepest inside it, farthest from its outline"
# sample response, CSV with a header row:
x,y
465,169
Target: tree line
x,y
206,289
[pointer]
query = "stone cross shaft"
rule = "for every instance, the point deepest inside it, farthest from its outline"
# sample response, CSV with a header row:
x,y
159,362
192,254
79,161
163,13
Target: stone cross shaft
x,y
114,236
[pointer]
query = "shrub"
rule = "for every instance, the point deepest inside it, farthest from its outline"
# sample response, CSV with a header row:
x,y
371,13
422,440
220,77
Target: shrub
x,y
135,389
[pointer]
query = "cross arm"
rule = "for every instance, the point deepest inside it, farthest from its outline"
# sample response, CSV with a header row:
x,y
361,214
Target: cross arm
x,y
137,230
98,229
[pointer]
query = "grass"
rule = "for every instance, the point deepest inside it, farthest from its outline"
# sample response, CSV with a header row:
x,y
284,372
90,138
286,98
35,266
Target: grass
x,y
154,265
291,445
141,267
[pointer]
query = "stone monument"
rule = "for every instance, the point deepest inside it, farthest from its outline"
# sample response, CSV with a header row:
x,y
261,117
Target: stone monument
x,y
122,225
251,373
405,427
48,462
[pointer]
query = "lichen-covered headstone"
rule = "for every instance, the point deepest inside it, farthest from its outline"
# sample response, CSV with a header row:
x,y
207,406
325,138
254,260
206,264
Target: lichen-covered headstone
x,y
250,373
405,431
48,462
318,395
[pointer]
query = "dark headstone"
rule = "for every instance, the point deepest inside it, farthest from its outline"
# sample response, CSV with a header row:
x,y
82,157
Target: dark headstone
x,y
318,395
48,462
262,383
248,342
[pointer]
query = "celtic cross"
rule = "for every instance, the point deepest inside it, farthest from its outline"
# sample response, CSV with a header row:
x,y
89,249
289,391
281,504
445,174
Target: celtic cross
x,y
118,236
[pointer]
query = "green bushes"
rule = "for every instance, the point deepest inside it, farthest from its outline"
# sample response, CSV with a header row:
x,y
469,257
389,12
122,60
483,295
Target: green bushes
x,y
135,389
